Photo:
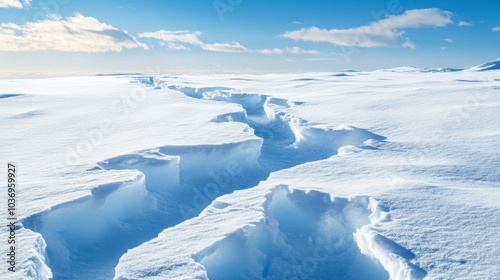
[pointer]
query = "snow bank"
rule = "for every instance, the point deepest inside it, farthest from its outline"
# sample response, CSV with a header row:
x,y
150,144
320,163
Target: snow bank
x,y
492,65
302,236
394,258
81,235
286,235
86,237
161,171
31,257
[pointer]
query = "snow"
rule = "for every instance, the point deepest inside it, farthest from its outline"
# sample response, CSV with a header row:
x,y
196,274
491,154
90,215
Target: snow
x,y
366,175
492,65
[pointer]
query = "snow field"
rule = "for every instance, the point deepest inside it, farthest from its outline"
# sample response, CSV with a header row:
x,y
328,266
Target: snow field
x,y
272,176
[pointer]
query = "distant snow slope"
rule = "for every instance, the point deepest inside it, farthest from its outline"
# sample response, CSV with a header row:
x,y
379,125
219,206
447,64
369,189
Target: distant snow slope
x,y
359,175
492,65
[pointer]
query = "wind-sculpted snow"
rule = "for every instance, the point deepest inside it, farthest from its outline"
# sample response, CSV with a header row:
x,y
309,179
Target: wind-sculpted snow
x,y
164,177
302,236
283,235
288,140
492,65
87,237
9,95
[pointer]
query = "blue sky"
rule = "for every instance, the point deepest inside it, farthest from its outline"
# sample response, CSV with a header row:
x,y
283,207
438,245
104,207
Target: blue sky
x,y
70,37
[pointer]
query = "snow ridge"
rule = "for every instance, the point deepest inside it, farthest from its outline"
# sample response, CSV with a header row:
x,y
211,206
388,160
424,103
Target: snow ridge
x,y
492,65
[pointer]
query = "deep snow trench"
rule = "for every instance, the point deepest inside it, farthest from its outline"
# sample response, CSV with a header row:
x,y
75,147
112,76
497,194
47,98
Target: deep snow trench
x,y
303,236
86,238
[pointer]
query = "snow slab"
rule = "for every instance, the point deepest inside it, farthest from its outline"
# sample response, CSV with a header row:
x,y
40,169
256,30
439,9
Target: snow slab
x,y
355,175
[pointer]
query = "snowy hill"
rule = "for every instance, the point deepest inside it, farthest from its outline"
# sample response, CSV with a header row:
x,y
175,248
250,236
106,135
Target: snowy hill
x,y
411,69
492,65
365,175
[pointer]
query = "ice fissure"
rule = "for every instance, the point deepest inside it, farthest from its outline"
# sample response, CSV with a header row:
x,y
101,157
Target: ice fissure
x,y
86,238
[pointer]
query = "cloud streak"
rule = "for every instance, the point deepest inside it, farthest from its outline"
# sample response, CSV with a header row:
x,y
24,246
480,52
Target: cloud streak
x,y
175,39
13,4
233,47
73,34
464,23
383,33
180,36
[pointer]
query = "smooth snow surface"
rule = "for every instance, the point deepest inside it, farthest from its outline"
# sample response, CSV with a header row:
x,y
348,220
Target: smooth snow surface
x,y
356,175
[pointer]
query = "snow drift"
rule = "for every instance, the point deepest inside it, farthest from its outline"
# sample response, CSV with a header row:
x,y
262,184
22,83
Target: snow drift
x,y
492,65
181,181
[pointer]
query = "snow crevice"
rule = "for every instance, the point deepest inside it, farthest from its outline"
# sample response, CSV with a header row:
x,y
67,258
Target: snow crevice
x,y
303,235
86,238
287,139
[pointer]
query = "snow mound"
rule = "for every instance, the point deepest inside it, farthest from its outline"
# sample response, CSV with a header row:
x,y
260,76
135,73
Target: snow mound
x,y
411,69
9,95
492,65
340,75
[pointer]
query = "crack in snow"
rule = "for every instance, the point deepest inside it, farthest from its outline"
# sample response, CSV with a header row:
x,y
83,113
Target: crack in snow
x,y
87,237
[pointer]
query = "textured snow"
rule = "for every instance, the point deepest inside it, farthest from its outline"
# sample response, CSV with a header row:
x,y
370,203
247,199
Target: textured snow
x,y
365,175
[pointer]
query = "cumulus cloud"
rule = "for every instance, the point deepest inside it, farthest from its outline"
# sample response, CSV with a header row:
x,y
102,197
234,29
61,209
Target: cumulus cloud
x,y
73,34
13,4
448,40
382,33
496,29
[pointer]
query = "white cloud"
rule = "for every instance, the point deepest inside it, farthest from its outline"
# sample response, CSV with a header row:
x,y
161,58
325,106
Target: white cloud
x,y
321,59
177,47
180,36
496,29
73,34
297,50
235,47
270,51
173,38
464,23
409,45
232,47
291,50
382,33
13,4
448,40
